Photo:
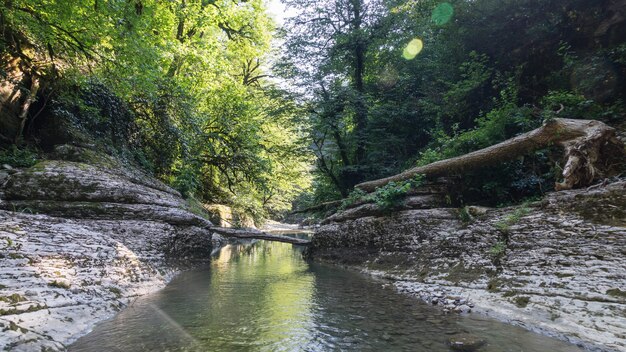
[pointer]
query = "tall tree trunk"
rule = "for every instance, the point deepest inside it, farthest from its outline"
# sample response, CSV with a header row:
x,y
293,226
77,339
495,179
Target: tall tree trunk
x,y
359,72
343,150
30,99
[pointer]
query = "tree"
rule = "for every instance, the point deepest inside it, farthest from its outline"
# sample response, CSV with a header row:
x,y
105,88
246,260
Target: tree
x,y
326,54
191,72
487,71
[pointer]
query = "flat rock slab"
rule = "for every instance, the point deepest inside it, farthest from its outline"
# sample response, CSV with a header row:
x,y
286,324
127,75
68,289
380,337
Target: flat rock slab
x,y
555,266
58,277
109,234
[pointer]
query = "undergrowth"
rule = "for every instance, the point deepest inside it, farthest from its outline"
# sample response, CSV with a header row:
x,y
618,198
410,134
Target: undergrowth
x,y
387,197
514,217
18,157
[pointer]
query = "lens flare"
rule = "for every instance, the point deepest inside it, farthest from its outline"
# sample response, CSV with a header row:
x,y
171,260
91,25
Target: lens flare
x,y
413,48
442,13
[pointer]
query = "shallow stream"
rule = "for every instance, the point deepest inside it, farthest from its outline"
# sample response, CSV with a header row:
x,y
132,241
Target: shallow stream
x,y
262,296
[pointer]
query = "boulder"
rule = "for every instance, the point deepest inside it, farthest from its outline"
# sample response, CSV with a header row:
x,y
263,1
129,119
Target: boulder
x,y
466,343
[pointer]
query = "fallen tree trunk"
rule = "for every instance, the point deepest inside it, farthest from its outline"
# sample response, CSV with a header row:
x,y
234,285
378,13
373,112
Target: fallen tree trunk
x,y
259,235
321,206
588,144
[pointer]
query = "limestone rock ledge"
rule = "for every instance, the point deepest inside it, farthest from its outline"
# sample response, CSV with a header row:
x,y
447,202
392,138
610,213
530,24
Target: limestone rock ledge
x,y
557,266
78,242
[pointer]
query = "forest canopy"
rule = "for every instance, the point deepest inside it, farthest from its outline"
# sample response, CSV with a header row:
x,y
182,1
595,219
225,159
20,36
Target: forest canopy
x,y
181,85
212,97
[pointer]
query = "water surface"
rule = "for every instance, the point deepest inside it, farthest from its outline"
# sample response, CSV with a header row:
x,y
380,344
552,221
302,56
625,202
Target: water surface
x,y
263,296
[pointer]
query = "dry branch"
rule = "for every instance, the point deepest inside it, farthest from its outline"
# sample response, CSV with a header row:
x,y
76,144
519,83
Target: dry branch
x,y
321,206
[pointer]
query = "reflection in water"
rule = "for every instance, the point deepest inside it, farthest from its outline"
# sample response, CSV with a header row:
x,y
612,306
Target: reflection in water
x,y
263,297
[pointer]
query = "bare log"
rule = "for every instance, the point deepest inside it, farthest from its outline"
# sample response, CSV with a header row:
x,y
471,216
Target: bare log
x,y
259,235
583,141
321,206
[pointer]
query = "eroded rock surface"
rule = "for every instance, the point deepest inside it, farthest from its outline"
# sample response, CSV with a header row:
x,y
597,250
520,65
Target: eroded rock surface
x,y
78,242
556,266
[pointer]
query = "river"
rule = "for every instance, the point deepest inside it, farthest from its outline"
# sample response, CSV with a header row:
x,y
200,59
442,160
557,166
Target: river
x,y
262,296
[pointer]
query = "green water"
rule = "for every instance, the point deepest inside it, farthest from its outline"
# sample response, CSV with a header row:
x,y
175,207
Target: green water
x,y
264,297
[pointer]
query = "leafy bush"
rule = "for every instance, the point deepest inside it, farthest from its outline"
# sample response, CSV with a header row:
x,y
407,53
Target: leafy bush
x,y
506,182
498,249
185,179
356,195
391,195
387,197
576,106
428,156
17,157
465,216
514,217
505,120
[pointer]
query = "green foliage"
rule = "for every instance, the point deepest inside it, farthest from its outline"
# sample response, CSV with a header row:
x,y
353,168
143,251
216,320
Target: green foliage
x,y
472,86
196,207
616,292
478,81
514,217
88,112
428,156
181,88
115,290
185,178
618,54
508,181
498,249
356,195
25,210
465,216
178,87
505,120
576,106
19,157
387,197
521,301
13,299
390,196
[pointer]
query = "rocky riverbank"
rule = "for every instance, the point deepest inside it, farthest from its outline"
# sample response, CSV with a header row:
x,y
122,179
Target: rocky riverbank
x,y
555,266
80,238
